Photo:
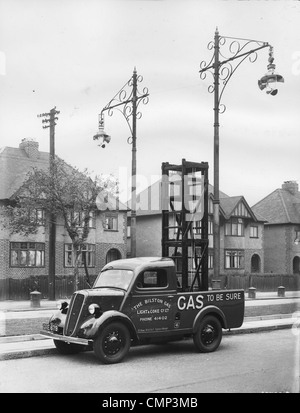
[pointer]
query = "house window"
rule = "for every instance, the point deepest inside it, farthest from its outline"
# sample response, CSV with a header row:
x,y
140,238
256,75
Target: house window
x,y
234,259
210,225
197,228
87,253
128,227
235,227
68,255
77,218
210,260
111,222
27,254
210,206
253,232
92,221
297,237
39,216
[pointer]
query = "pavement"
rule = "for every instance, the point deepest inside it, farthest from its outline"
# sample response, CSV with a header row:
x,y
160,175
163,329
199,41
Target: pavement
x,y
267,311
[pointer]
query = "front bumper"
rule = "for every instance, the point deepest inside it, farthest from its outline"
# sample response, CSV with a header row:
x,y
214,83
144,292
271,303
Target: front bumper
x,y
67,339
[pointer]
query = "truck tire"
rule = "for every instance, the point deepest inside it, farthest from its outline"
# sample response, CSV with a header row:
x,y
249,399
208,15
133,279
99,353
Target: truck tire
x,y
113,343
209,334
68,348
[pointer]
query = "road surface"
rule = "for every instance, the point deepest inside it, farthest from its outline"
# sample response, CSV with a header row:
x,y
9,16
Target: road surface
x,y
255,363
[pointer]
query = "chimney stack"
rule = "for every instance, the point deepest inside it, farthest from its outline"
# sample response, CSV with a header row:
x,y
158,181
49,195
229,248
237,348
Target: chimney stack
x,y
291,186
30,147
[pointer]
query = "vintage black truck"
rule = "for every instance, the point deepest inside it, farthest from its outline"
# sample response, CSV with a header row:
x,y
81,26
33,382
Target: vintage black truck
x,y
155,299
138,301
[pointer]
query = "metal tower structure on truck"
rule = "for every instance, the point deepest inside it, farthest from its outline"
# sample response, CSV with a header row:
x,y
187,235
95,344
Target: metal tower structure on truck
x,y
184,200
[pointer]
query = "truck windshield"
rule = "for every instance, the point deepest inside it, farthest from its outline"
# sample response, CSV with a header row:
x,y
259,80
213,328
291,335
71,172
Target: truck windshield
x,y
114,278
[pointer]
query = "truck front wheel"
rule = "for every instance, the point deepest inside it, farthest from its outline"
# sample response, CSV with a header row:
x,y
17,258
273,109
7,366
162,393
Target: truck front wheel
x,y
113,343
209,334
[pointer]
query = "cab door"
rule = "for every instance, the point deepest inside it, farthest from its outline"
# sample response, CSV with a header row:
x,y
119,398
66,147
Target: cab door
x,y
152,303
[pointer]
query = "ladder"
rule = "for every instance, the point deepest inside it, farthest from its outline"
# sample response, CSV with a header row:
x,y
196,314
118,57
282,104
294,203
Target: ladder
x,y
184,200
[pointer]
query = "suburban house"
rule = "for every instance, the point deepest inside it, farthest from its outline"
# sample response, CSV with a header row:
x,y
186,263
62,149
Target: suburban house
x,y
241,231
24,259
281,210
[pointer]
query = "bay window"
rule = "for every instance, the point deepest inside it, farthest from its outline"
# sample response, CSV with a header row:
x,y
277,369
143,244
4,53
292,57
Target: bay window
x,y
235,227
87,253
27,254
234,259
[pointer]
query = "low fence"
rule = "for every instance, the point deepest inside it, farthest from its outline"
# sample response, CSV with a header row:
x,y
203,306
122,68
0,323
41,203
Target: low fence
x,y
20,289
262,282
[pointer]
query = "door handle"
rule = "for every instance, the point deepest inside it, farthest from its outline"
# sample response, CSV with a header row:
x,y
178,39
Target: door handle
x,y
170,296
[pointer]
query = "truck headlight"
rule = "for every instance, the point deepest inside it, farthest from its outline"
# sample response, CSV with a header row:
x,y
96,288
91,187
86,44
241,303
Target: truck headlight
x,y
94,309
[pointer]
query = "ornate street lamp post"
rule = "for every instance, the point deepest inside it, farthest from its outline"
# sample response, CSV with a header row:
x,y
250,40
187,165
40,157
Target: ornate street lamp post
x,y
222,70
126,101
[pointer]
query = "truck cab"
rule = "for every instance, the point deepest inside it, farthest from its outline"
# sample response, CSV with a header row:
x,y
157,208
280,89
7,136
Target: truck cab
x,y
137,301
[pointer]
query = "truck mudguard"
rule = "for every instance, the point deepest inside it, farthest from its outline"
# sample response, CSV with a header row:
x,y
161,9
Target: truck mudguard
x,y
212,310
92,326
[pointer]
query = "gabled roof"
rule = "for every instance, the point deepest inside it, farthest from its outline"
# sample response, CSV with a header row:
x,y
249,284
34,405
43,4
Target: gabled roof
x,y
280,207
14,166
237,206
227,205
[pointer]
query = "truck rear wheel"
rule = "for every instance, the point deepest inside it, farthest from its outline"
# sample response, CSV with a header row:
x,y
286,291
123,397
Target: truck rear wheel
x,y
113,343
209,334
68,348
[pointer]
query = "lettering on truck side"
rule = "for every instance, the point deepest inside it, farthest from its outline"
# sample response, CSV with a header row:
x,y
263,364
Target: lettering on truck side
x,y
190,302
196,302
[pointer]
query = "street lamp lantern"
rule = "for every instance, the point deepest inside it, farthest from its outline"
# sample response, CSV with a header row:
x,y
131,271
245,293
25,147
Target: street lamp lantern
x,y
101,134
271,78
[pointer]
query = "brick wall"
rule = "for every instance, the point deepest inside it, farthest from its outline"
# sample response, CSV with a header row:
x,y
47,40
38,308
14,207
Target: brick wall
x,y
148,236
275,249
4,253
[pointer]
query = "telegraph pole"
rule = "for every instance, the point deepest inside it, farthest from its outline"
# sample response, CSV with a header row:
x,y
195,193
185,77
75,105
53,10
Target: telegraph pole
x,y
50,118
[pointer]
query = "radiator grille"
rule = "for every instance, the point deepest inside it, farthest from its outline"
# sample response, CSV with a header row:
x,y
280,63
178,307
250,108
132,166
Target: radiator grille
x,y
74,313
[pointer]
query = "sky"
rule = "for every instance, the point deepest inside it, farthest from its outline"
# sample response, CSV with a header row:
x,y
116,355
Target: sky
x,y
75,55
